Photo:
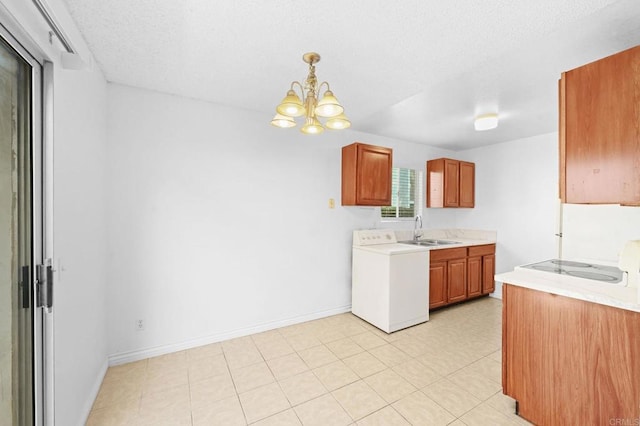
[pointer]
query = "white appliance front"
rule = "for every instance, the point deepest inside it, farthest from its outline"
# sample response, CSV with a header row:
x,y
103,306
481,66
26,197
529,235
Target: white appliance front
x,y
390,283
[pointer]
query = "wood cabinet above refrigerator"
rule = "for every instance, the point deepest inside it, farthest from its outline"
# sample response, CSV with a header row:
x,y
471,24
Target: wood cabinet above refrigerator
x,y
366,175
600,131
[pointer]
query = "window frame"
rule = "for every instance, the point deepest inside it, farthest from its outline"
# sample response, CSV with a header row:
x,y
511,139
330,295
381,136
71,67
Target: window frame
x,y
418,199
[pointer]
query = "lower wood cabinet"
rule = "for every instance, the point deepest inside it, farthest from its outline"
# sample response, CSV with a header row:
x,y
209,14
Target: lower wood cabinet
x,y
461,273
437,284
569,362
474,276
457,280
482,282
488,272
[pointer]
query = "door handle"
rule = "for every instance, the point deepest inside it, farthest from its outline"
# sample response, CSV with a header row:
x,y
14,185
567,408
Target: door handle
x,y
25,286
45,285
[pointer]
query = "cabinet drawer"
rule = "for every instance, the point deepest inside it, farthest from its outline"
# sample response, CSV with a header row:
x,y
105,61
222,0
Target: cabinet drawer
x,y
446,254
482,250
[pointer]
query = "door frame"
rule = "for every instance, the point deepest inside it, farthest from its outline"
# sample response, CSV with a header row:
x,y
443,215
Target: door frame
x,y
42,202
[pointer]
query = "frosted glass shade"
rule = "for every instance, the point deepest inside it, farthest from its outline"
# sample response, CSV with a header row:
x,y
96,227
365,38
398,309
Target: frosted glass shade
x,y
328,106
283,121
291,105
338,123
312,127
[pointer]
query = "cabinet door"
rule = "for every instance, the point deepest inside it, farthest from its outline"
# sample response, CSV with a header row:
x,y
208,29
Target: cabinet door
x,y
373,176
560,354
467,184
437,284
451,183
599,131
488,271
435,183
457,280
474,276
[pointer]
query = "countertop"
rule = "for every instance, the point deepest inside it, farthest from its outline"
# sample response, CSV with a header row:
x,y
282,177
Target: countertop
x,y
614,295
462,237
461,242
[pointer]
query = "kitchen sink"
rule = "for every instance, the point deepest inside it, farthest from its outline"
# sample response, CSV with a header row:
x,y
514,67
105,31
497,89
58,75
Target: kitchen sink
x,y
429,242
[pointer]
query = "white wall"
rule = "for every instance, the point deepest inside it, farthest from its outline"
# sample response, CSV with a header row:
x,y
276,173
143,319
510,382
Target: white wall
x,y
79,227
80,242
598,232
516,195
219,223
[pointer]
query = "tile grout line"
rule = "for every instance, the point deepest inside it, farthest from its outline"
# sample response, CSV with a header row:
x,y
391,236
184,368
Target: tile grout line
x,y
486,315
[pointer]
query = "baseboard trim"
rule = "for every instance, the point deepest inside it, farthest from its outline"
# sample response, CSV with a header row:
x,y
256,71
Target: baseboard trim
x,y
137,355
95,389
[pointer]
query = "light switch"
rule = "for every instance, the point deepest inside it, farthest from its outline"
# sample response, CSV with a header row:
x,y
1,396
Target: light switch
x,y
332,203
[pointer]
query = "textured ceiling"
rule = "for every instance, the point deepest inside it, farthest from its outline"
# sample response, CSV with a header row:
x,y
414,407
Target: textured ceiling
x,y
417,70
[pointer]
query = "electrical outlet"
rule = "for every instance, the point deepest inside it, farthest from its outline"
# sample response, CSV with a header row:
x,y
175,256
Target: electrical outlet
x,y
140,325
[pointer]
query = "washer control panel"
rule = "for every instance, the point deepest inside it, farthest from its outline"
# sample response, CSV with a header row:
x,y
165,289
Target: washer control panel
x,y
369,237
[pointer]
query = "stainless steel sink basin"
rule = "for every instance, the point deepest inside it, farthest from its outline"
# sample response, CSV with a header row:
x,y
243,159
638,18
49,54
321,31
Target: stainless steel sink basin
x,y
440,242
418,243
429,242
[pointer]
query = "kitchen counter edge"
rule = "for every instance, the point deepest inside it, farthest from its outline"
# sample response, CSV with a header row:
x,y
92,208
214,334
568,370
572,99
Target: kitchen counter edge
x,y
596,292
462,243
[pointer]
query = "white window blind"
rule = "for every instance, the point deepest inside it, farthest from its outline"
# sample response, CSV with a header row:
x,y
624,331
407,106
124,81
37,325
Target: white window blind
x,y
405,194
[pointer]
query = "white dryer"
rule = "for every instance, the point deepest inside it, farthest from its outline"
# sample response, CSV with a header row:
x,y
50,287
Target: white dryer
x,y
390,280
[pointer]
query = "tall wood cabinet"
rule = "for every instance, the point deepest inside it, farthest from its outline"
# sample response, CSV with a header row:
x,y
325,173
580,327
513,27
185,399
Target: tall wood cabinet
x,y
450,183
600,131
366,175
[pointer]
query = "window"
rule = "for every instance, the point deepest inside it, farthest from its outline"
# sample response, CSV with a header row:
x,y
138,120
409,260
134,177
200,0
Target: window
x,y
406,194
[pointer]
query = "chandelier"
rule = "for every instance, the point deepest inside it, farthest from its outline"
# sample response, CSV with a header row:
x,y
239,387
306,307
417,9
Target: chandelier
x,y
309,106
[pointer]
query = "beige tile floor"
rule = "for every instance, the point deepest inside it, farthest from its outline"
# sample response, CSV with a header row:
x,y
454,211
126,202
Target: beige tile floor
x,y
338,370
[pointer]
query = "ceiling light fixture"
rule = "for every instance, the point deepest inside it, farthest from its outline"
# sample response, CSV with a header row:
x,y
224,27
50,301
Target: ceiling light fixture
x,y
309,106
486,122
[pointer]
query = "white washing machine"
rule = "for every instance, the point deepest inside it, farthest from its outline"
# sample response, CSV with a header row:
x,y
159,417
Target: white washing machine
x,y
390,280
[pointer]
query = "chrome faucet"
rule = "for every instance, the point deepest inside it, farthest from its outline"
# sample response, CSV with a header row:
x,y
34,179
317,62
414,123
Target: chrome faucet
x,y
416,234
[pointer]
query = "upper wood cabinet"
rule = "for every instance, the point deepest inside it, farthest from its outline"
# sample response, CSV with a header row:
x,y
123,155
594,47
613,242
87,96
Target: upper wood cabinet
x,y
600,131
366,175
467,184
450,183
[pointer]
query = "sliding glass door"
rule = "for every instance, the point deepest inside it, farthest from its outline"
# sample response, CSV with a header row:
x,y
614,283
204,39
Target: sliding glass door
x,y
21,248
